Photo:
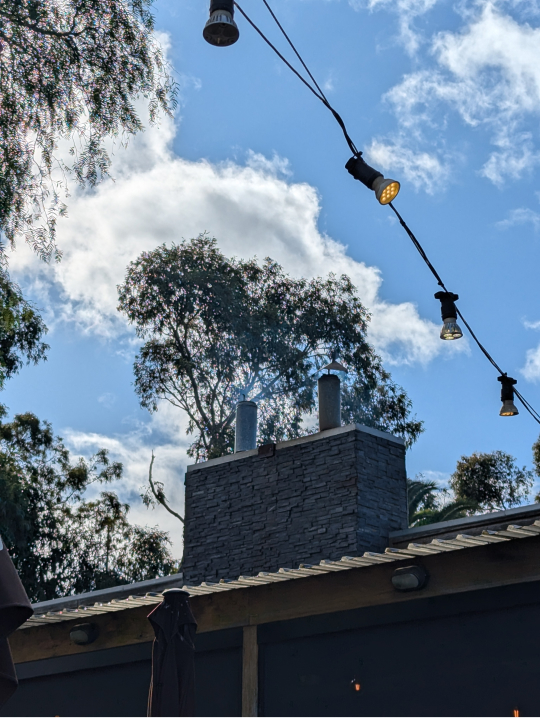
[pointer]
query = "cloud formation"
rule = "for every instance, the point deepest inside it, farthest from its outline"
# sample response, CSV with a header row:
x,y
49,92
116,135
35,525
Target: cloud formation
x,y
487,75
531,370
165,434
407,11
253,210
522,215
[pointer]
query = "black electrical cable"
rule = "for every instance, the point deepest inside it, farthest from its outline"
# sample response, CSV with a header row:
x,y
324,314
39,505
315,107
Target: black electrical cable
x,y
488,356
306,68
320,95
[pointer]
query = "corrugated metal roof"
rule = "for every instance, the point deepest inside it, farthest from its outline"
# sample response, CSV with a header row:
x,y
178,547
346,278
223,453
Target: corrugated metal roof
x,y
462,541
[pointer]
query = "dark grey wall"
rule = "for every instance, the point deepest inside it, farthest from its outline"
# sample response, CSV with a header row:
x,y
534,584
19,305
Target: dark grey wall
x,y
431,659
337,494
115,682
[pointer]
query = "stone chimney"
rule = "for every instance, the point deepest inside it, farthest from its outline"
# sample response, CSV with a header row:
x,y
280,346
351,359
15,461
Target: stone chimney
x,y
336,493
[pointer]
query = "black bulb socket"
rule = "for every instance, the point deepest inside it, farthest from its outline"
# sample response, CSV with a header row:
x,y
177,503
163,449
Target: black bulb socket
x,y
361,171
227,5
507,388
448,308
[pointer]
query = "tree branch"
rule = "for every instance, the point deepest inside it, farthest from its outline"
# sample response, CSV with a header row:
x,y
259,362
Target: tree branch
x,y
160,498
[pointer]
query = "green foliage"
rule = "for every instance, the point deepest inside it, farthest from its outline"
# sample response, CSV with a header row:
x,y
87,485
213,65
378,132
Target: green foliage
x,y
59,542
216,329
21,330
428,504
492,480
70,71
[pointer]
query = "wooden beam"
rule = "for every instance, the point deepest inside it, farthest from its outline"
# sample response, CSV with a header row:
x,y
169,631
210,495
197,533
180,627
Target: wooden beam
x,y
250,672
469,569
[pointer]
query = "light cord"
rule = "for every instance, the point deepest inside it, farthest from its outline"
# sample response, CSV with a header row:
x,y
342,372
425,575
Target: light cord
x,y
319,94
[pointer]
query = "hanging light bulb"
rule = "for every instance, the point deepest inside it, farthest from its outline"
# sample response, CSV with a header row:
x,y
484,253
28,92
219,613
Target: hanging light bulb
x,y
507,396
450,329
221,29
385,189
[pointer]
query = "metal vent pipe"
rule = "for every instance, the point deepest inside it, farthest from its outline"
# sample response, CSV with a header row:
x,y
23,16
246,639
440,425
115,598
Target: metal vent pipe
x,y
245,437
329,388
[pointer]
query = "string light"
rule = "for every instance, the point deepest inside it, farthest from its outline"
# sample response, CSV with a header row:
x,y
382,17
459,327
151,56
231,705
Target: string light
x,y
386,191
507,396
450,329
221,29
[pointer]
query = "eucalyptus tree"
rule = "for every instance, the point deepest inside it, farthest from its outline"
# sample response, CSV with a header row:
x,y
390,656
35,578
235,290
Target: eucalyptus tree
x,y
217,329
21,330
60,542
492,480
70,73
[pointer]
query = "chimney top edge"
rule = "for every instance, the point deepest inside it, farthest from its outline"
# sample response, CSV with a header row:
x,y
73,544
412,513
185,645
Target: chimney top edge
x,y
302,440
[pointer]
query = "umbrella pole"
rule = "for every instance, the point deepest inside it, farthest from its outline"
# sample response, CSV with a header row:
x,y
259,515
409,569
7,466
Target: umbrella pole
x,y
250,672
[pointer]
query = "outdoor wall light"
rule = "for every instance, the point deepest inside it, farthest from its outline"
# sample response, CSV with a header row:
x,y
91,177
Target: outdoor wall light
x,y
409,578
450,329
385,189
507,396
84,633
221,30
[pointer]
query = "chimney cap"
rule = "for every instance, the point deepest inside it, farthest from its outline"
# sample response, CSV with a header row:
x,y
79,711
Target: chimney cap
x,y
333,366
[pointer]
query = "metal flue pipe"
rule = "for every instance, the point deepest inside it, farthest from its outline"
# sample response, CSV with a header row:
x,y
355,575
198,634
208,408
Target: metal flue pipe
x,y
329,389
245,437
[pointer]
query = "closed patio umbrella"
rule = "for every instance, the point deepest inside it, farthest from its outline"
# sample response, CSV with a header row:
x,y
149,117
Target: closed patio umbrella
x,y
15,609
172,687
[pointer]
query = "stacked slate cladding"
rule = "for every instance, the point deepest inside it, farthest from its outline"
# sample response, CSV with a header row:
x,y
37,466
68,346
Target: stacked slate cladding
x,y
336,493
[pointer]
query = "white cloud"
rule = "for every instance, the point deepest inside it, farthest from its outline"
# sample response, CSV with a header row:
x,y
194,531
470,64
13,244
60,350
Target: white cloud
x,y
531,370
108,400
158,197
407,11
165,435
277,166
421,169
523,215
488,74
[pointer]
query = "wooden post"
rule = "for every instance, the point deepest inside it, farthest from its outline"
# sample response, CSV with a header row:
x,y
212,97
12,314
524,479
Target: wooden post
x,y
250,672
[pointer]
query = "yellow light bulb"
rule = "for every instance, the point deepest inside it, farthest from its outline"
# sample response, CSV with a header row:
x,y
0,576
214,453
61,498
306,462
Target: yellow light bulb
x,y
508,408
385,189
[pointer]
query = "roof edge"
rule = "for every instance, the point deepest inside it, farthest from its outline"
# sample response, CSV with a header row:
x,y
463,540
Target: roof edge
x,y
480,521
301,440
104,595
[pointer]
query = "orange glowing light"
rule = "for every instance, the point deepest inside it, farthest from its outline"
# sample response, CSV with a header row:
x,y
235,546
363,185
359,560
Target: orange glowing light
x,y
516,713
355,685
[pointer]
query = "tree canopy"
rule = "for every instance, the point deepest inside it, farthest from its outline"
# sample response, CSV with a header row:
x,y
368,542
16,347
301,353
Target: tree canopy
x,y
21,330
429,504
218,329
60,542
481,482
70,72
492,480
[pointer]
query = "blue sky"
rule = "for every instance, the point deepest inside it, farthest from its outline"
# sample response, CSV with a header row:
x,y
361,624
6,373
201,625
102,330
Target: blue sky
x,y
443,96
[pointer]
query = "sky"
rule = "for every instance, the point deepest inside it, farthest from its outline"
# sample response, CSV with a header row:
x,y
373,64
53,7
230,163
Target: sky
x,y
442,96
